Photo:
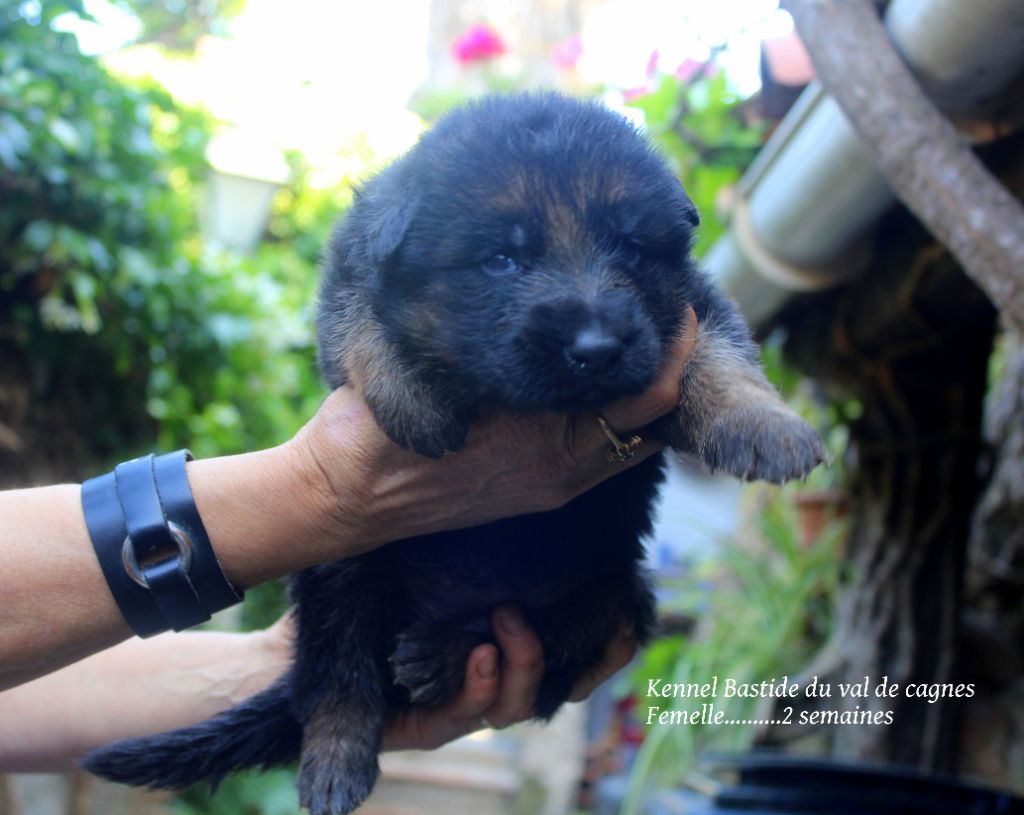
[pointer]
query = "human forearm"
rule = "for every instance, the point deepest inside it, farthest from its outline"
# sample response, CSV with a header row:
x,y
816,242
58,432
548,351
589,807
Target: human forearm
x,y
54,603
135,688
264,517
170,681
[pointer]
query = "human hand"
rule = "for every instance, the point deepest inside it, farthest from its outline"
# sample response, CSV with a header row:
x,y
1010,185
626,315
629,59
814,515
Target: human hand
x,y
499,689
511,465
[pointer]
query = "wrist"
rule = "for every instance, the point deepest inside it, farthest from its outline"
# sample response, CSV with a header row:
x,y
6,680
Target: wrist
x,y
345,457
268,655
268,513
277,645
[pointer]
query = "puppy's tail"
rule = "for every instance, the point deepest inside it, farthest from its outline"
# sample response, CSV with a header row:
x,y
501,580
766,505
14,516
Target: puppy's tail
x,y
260,732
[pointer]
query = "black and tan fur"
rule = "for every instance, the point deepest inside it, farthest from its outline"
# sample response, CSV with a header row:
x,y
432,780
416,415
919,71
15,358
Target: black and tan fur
x,y
531,253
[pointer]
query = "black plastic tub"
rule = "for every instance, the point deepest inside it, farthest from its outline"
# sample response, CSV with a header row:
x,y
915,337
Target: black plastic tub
x,y
774,784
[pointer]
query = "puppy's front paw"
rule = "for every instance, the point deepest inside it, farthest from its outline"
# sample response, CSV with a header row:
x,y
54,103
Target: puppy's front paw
x,y
762,444
332,787
430,661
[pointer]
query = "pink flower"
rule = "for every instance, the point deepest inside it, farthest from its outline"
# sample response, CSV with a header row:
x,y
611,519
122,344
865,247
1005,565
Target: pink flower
x,y
690,69
652,63
632,94
566,53
479,43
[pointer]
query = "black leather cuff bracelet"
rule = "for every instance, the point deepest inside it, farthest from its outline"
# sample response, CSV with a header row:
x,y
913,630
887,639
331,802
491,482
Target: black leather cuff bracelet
x,y
152,545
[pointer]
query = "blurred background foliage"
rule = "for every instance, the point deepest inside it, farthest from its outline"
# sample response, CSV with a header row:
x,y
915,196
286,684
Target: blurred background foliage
x,y
104,276
706,133
762,604
177,24
250,793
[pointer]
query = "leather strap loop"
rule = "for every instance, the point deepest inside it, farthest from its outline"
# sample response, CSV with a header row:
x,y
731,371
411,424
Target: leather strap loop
x,y
140,507
174,594
206,574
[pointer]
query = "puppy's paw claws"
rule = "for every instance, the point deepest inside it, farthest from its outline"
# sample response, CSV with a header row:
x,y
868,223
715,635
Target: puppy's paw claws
x,y
337,789
430,660
772,445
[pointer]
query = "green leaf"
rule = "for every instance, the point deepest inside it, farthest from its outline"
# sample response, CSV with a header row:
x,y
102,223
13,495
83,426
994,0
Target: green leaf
x,y
38,236
66,135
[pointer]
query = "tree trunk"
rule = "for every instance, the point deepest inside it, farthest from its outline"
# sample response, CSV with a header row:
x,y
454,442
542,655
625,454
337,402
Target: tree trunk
x,y
910,341
917,360
993,735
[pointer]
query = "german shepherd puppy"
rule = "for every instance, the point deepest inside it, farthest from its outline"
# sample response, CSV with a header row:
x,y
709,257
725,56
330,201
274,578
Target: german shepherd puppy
x,y
531,253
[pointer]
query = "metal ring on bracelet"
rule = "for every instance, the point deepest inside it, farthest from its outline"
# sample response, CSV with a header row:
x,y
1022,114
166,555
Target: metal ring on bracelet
x,y
621,450
184,554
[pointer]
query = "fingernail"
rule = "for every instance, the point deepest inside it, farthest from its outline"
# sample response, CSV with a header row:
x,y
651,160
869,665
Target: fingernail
x,y
511,622
487,667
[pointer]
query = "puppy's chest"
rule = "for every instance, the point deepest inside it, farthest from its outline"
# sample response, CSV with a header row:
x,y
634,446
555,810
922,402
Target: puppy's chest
x,y
444,577
533,560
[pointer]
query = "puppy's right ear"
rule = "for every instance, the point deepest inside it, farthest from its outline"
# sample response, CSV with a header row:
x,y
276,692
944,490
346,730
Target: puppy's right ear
x,y
689,209
380,218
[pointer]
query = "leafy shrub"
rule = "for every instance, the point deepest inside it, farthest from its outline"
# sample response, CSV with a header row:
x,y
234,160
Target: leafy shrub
x,y
764,607
121,332
699,122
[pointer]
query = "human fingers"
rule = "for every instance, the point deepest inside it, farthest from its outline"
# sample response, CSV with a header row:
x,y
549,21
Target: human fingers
x,y
663,395
424,728
522,669
617,655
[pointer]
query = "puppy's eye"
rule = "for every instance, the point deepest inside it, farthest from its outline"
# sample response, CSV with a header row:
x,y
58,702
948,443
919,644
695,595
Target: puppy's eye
x,y
500,264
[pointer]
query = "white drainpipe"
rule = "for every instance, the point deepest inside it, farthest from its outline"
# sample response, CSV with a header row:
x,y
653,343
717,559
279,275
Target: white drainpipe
x,y
807,203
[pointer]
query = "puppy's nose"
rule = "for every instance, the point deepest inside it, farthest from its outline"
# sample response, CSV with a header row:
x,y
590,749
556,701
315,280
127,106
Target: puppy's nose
x,y
595,347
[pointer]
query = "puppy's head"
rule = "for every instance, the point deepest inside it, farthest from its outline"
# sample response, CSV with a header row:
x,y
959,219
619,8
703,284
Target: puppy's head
x,y
531,252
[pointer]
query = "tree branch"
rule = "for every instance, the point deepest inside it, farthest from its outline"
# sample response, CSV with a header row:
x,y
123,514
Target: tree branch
x,y
928,166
